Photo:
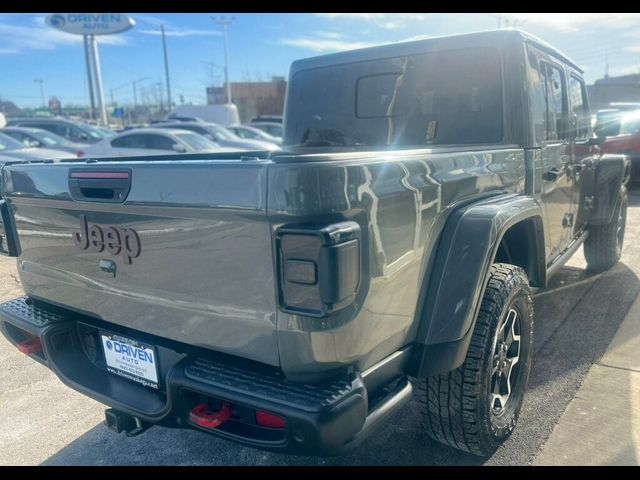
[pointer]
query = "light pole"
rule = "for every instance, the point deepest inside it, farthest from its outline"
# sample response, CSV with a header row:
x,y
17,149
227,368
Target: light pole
x,y
87,59
166,66
40,81
97,74
225,23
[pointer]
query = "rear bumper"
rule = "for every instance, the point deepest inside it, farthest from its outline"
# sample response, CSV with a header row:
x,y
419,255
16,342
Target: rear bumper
x,y
320,419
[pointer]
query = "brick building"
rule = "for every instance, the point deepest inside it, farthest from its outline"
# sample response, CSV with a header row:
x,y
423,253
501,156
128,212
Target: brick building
x,y
624,88
252,98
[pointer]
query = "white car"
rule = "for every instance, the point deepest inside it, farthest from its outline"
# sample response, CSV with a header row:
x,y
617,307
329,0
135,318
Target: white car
x,y
11,149
152,141
252,133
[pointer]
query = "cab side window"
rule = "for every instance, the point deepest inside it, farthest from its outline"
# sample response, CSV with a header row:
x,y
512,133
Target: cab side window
x,y
537,97
579,106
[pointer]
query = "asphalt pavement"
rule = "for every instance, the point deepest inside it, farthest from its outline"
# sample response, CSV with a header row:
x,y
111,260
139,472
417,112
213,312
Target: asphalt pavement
x,y
44,422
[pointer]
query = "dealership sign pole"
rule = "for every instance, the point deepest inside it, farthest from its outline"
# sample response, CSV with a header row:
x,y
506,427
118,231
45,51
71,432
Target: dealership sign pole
x,y
88,25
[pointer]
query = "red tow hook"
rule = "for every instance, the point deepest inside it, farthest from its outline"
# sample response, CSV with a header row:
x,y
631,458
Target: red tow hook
x,y
200,415
32,345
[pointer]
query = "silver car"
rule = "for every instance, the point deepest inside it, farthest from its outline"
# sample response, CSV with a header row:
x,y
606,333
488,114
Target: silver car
x,y
221,135
35,137
272,128
252,133
11,149
152,141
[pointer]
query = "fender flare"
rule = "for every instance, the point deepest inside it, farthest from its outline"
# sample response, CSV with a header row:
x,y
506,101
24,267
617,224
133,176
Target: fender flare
x,y
612,173
459,275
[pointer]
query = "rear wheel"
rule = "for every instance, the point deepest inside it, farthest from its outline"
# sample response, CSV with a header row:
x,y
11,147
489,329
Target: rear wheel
x,y
475,407
603,246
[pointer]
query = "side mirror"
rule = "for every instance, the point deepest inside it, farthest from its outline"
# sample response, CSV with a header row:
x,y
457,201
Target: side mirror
x,y
179,148
35,143
84,136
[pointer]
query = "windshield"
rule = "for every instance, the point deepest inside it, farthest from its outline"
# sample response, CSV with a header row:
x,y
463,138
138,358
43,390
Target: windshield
x,y
608,123
222,133
438,98
106,132
630,124
197,142
50,139
8,143
92,131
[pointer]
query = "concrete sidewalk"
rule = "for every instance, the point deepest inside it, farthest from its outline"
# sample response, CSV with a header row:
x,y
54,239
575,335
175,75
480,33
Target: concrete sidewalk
x,y
601,425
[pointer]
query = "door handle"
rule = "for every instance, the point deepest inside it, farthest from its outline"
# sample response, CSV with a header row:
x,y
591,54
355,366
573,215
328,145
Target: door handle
x,y
551,175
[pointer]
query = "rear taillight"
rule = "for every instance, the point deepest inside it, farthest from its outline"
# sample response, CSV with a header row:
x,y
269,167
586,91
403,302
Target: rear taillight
x,y
319,268
266,419
80,153
30,346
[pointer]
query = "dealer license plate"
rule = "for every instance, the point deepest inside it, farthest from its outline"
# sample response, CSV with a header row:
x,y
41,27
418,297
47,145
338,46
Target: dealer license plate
x,y
130,359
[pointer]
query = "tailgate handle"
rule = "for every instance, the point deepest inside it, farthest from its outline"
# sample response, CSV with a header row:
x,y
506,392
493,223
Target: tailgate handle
x,y
100,185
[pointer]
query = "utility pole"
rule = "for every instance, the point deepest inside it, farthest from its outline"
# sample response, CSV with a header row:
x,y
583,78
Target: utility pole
x,y
135,92
166,65
40,81
87,59
225,23
111,90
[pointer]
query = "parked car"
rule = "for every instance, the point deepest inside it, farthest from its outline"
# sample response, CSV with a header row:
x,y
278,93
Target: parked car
x,y
72,131
223,114
268,118
106,132
35,137
272,128
174,117
220,135
151,141
296,301
252,133
627,141
11,148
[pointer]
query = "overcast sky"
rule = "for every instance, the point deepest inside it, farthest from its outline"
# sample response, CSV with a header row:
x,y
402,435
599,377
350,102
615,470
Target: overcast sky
x,y
263,45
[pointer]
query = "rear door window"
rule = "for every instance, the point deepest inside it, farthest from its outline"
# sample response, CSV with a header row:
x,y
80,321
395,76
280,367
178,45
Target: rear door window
x,y
555,92
579,107
130,141
160,142
21,137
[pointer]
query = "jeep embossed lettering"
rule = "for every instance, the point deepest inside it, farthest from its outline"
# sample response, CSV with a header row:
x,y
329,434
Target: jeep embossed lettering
x,y
116,241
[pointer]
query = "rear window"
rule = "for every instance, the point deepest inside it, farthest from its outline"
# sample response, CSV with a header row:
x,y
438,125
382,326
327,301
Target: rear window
x,y
439,98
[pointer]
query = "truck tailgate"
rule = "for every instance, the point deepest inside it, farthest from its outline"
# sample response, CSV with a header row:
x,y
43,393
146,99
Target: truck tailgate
x,y
190,245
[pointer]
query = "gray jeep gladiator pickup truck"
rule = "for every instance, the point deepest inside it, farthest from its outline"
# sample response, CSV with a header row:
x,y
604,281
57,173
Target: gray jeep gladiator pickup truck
x,y
294,301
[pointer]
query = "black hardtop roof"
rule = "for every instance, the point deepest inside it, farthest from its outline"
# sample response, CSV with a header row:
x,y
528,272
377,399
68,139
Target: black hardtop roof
x,y
466,40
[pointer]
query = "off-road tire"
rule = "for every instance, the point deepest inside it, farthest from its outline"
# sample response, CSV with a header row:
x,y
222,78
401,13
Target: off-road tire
x,y
603,246
456,405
